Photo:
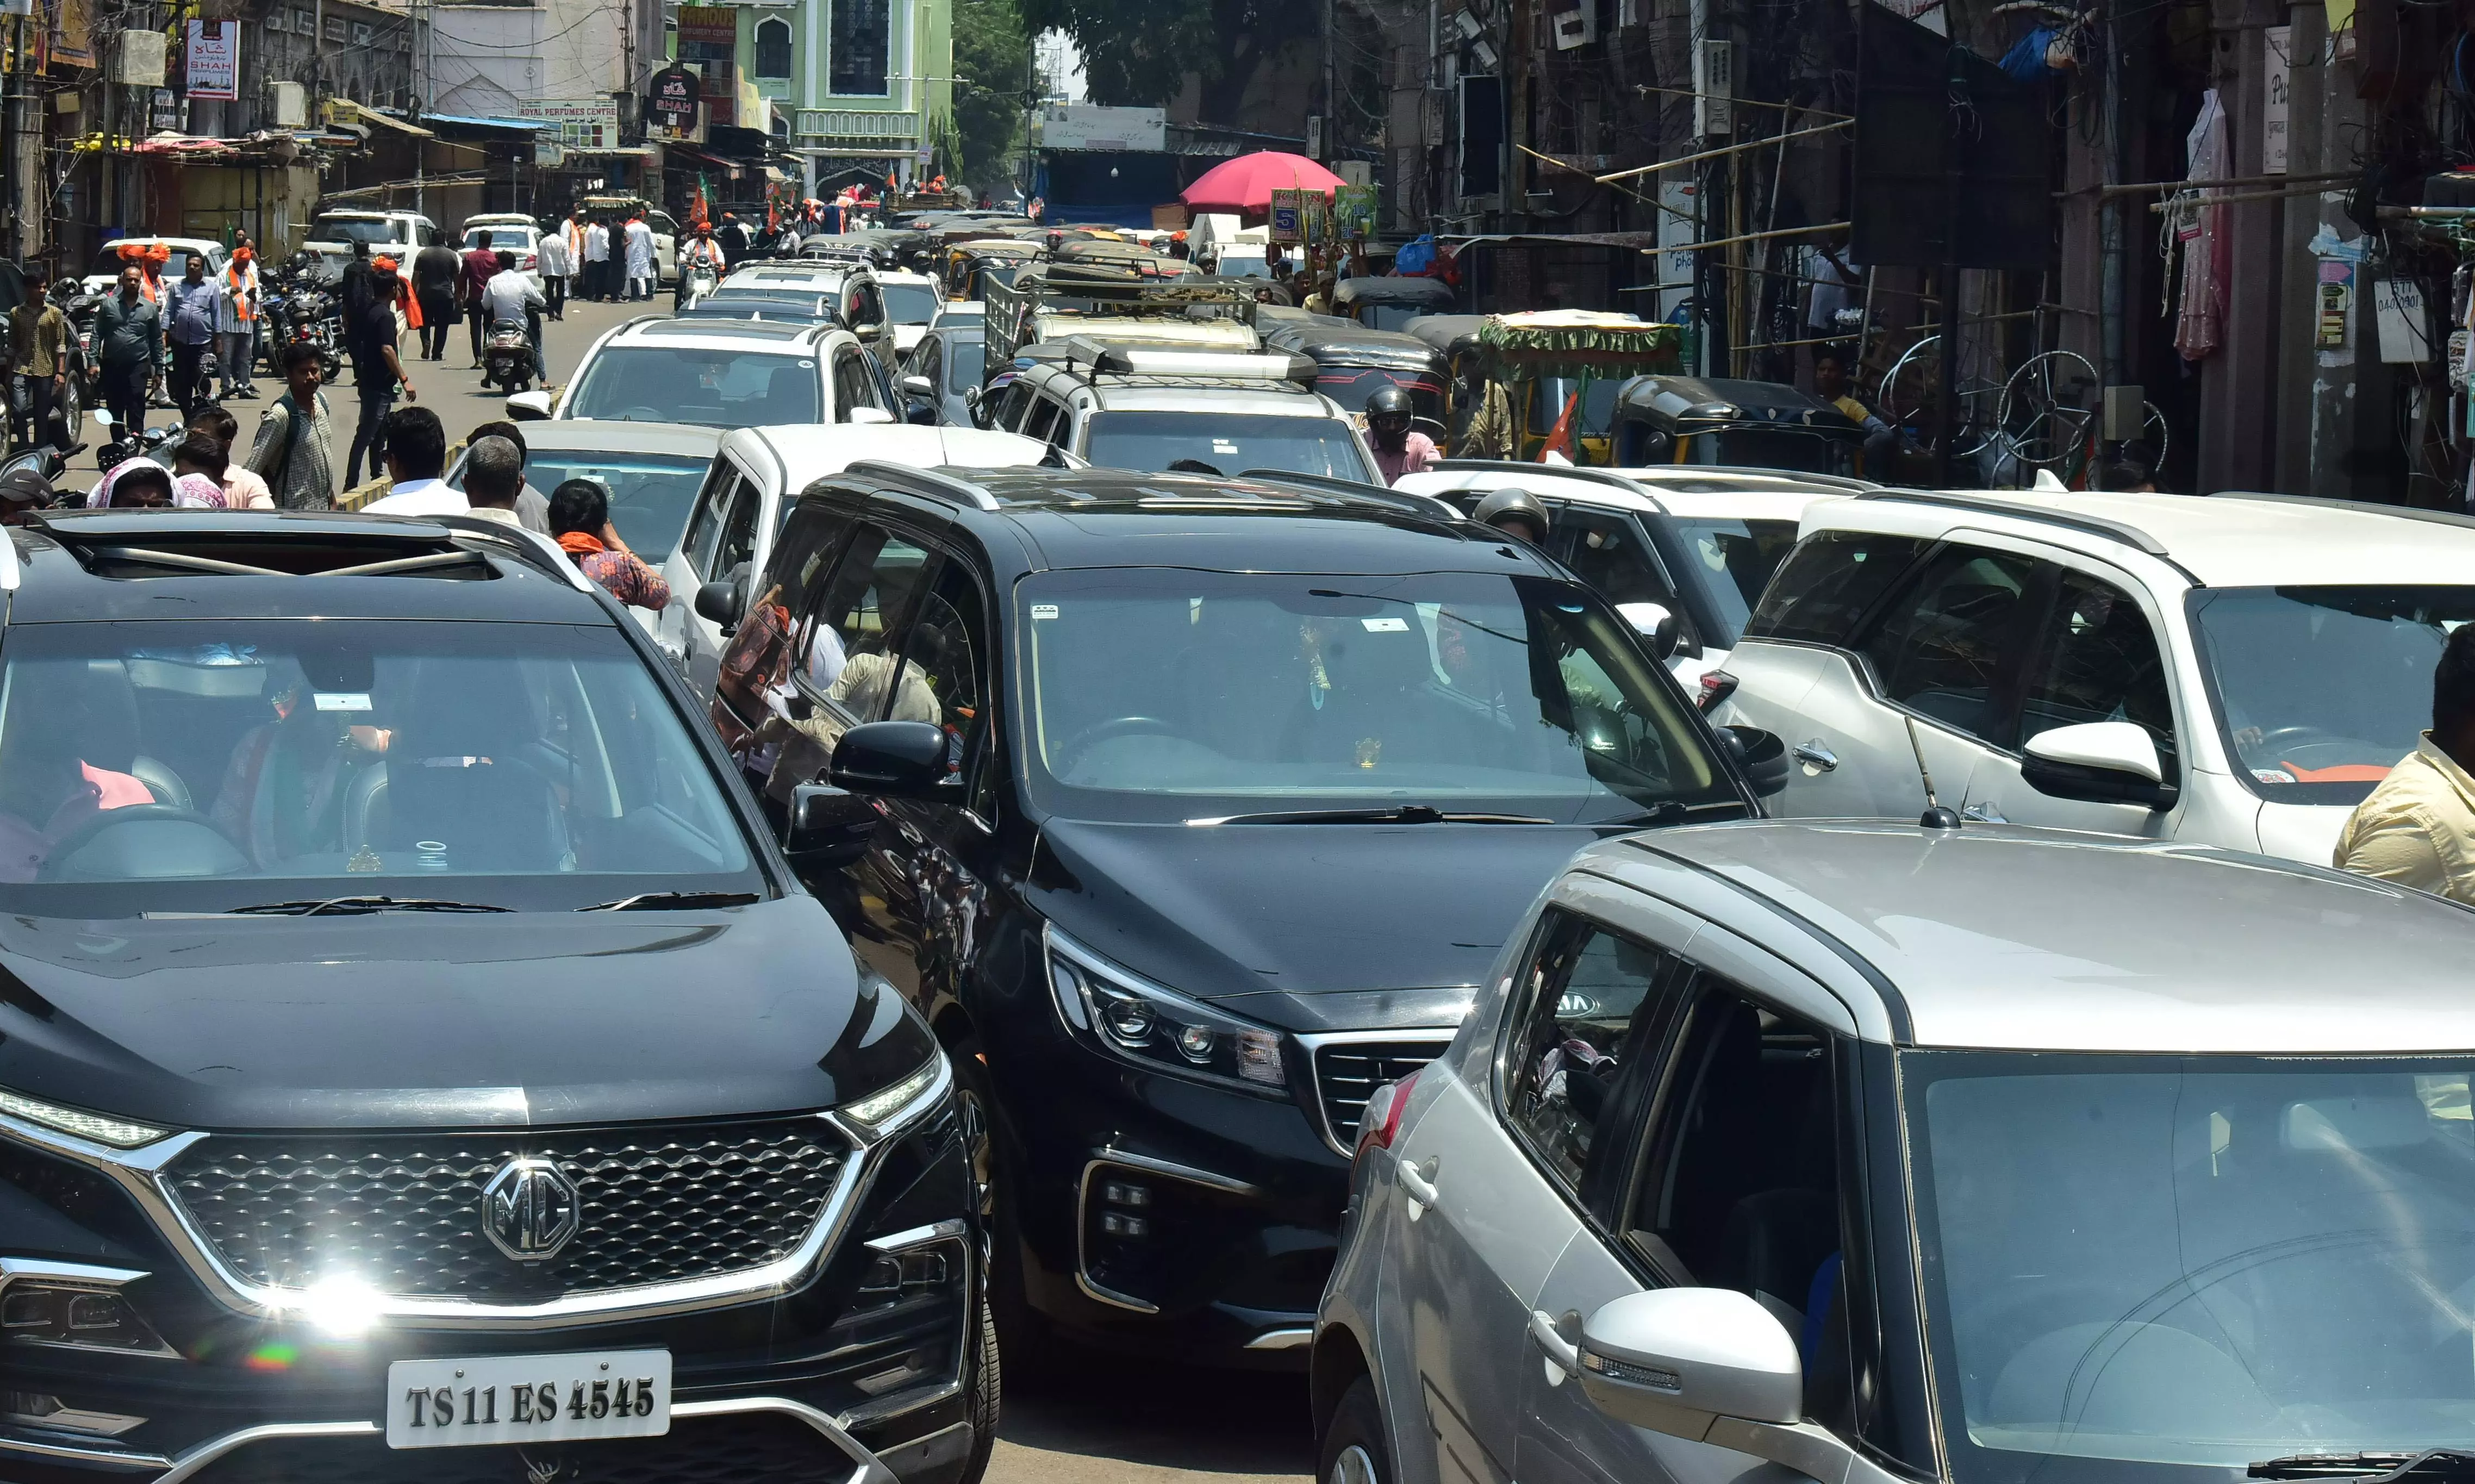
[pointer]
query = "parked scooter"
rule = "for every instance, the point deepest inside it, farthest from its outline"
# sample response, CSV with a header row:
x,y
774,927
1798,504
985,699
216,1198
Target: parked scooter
x,y
152,443
507,356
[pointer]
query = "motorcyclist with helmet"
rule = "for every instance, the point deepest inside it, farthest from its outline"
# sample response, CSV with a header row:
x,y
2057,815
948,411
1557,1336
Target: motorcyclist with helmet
x,y
1397,449
1515,512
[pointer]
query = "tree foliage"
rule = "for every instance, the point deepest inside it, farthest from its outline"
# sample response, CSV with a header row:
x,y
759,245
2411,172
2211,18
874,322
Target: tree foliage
x,y
993,58
1138,52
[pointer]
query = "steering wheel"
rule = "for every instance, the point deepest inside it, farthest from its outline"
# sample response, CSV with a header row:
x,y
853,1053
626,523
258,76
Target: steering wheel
x,y
107,819
2285,736
1072,751
640,415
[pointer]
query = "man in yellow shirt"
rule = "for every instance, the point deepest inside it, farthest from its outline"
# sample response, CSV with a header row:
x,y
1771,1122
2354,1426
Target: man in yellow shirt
x,y
2417,828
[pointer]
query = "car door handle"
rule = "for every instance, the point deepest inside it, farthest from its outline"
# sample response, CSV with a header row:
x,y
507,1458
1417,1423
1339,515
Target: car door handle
x,y
1548,1335
1419,1184
1814,754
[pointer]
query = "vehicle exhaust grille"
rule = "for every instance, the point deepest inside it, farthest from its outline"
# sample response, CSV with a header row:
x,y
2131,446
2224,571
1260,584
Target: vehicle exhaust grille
x,y
404,1212
1348,1073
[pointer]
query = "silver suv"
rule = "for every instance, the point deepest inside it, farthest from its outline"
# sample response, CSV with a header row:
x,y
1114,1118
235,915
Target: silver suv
x,y
1862,1149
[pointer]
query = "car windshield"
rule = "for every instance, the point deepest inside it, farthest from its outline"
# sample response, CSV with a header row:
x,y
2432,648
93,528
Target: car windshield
x,y
711,388
649,493
2195,1263
1160,693
175,765
513,239
966,360
908,304
1737,558
373,230
1150,441
109,262
2322,690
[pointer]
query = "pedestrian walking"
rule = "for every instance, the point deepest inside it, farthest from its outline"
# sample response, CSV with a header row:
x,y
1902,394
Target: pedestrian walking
x,y
371,339
555,266
596,260
580,521
129,340
237,300
435,271
39,352
640,258
572,232
243,490
734,237
480,266
2417,827
191,312
295,451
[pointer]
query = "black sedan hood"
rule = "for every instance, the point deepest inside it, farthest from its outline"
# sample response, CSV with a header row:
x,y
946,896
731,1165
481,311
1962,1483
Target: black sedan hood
x,y
1308,927
431,1020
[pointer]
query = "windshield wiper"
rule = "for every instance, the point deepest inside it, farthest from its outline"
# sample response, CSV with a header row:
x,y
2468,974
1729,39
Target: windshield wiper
x,y
361,904
2432,1463
649,901
1404,813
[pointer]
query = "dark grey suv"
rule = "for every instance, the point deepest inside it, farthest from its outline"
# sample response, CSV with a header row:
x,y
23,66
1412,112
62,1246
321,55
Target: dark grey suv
x,y
415,1060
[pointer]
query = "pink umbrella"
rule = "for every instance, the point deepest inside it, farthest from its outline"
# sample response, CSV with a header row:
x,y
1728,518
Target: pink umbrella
x,y
1244,185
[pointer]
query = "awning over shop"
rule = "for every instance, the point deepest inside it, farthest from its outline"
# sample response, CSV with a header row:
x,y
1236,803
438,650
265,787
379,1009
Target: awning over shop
x,y
370,115
186,146
683,155
451,122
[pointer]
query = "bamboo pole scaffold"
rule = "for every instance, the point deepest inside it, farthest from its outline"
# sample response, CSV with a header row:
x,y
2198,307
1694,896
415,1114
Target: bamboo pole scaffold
x,y
1733,149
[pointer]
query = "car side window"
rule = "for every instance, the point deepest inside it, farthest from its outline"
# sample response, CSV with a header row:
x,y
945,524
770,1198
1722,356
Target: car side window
x,y
945,672
931,361
1607,553
738,545
2097,661
853,386
1591,1007
1945,647
1041,420
704,528
845,644
1827,585
752,657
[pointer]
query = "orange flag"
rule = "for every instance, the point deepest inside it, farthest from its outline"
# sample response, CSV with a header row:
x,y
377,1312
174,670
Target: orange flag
x,y
1560,439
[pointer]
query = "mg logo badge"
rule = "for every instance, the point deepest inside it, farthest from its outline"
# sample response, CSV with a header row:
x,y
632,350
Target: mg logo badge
x,y
529,1209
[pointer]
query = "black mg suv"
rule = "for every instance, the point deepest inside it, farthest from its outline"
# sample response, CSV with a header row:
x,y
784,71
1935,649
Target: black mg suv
x,y
416,1061
1187,811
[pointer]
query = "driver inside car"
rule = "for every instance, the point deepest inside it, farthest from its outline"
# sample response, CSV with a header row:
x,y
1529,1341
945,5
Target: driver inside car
x,y
68,754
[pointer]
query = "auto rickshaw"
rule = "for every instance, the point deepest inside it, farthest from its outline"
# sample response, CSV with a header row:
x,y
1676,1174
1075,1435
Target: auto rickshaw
x,y
968,265
1540,363
1351,361
1390,303
1455,338
1747,424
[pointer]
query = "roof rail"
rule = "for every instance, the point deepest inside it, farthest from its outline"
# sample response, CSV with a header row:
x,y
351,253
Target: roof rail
x,y
2366,507
1606,476
925,481
1848,482
2087,524
1358,490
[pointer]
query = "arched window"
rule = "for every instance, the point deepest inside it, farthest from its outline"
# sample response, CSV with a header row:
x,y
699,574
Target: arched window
x,y
774,47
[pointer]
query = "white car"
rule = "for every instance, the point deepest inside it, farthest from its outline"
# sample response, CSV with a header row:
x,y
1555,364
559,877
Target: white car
x,y
1692,544
718,372
396,234
2236,670
755,479
911,301
852,282
107,261
1859,1153
510,233
1150,408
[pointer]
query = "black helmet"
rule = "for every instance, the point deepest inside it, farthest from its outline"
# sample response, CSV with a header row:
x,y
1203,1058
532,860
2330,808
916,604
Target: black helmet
x,y
1513,505
1388,400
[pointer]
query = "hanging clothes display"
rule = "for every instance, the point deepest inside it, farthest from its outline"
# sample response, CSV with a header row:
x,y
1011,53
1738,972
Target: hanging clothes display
x,y
2199,326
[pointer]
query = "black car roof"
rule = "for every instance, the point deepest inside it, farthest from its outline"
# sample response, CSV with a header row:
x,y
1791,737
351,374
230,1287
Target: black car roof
x,y
1086,518
90,565
1354,345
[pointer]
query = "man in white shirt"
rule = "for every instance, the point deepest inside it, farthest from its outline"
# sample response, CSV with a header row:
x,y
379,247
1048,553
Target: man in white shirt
x,y
511,295
556,265
416,456
596,260
641,271
494,475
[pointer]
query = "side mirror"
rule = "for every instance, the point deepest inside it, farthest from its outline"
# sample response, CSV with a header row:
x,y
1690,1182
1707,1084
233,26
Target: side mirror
x,y
528,407
865,417
892,760
1761,756
2098,763
827,827
916,386
1677,1360
720,602
1656,625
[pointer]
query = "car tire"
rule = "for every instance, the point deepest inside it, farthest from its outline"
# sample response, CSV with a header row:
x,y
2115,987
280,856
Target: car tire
x,y
1024,1333
986,1394
1354,1450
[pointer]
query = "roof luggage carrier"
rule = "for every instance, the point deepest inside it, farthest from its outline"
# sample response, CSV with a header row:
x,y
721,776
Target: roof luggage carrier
x,y
1013,308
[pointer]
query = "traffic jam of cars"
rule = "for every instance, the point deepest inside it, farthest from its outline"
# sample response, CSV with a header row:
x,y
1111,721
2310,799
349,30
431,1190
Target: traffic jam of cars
x,y
1628,951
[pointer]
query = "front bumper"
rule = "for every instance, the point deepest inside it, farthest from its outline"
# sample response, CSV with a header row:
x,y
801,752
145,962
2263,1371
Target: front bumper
x,y
818,1372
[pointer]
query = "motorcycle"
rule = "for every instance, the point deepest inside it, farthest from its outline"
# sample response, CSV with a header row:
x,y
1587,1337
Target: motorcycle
x,y
697,281
295,305
152,443
507,356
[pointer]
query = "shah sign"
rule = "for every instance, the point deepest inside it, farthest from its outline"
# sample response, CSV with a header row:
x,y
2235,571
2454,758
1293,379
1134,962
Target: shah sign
x,y
213,64
674,100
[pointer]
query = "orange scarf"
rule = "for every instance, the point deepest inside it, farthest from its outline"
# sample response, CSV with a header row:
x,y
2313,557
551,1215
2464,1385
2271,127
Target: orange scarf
x,y
579,544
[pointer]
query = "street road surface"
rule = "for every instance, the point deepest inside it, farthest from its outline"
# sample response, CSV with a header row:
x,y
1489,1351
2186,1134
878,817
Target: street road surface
x,y
1105,1419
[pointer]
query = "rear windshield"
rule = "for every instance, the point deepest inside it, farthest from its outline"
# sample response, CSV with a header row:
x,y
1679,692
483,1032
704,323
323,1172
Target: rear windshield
x,y
109,262
1152,442
647,383
373,231
909,304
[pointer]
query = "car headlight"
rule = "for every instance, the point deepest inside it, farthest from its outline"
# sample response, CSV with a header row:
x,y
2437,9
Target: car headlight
x,y
1156,1028
78,1124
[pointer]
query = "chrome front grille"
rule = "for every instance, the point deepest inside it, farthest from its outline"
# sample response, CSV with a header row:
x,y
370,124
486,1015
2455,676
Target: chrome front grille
x,y
1347,1074
404,1212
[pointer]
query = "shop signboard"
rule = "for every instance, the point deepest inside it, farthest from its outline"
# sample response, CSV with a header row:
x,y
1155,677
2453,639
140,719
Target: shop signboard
x,y
1354,209
580,124
1288,217
674,100
1074,126
212,63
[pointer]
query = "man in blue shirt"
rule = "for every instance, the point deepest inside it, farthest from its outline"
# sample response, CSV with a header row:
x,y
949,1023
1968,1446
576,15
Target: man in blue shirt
x,y
189,307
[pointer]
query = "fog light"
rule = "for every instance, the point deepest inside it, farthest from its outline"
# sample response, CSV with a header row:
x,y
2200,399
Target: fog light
x,y
1195,1043
903,1273
1121,1193
40,1409
1119,1226
91,1319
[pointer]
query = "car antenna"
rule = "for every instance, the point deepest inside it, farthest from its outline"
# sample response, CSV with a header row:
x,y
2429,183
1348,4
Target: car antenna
x,y
1936,816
